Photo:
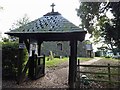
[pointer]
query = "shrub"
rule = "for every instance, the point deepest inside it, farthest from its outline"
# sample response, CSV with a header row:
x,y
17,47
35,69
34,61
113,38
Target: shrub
x,y
9,59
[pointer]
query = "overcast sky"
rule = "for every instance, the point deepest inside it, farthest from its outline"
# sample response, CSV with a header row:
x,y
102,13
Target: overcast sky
x,y
13,10
16,9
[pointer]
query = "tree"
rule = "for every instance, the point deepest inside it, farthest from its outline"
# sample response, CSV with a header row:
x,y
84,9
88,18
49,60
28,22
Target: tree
x,y
17,24
1,7
5,39
115,9
20,22
111,28
95,21
87,42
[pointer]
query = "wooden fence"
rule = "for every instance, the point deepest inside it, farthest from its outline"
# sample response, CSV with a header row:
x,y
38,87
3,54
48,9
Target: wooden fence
x,y
109,73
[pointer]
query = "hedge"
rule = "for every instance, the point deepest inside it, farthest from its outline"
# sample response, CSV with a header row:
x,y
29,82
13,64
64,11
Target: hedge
x,y
9,59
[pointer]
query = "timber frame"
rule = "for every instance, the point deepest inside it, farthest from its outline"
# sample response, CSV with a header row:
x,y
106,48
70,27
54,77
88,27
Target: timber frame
x,y
72,37
51,27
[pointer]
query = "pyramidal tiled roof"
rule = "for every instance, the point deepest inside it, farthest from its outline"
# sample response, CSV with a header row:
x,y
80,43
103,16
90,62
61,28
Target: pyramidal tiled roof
x,y
50,22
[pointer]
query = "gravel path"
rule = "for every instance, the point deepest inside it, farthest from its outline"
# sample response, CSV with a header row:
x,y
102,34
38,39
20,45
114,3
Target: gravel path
x,y
54,78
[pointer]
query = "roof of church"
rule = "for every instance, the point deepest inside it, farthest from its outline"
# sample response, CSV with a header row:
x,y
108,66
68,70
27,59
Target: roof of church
x,y
49,23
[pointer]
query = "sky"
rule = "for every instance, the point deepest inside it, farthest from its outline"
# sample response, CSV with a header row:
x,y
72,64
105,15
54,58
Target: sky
x,y
13,10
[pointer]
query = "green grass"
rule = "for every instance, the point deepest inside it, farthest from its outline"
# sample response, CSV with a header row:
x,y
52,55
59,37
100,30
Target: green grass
x,y
54,62
111,59
84,59
57,61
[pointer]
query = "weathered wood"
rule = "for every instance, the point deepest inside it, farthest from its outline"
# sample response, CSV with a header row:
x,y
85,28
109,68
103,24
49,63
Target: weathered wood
x,y
40,67
39,47
27,43
23,74
97,73
107,73
31,65
20,62
119,74
44,65
109,76
39,34
72,63
78,63
38,60
103,81
36,69
99,66
55,36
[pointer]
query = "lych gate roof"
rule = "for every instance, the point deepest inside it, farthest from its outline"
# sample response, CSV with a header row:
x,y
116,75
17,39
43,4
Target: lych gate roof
x,y
52,26
50,22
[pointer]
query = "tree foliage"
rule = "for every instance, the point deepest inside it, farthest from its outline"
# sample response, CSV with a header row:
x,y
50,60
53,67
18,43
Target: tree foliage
x,y
22,21
95,20
10,49
17,24
1,8
10,59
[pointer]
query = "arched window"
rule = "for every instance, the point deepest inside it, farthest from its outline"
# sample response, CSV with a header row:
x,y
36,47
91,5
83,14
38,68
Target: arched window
x,y
59,46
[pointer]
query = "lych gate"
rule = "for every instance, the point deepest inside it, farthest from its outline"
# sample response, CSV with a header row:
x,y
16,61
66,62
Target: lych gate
x,y
51,27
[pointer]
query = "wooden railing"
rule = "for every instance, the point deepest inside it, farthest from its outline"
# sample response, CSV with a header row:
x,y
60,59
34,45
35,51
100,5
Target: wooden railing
x,y
109,73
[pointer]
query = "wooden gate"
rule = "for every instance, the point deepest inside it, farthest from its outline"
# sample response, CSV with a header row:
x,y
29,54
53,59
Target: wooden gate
x,y
108,75
36,66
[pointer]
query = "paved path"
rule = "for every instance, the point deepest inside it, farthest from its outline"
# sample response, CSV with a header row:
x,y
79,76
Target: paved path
x,y
91,61
61,75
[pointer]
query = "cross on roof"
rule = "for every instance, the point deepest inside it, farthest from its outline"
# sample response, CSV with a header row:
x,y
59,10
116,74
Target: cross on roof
x,y
52,7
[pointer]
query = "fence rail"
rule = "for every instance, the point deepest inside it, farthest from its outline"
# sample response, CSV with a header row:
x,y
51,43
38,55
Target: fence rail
x,y
108,73
97,73
99,66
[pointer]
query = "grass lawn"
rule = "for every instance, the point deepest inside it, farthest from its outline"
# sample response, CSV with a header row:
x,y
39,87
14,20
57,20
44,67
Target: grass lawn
x,y
54,62
57,61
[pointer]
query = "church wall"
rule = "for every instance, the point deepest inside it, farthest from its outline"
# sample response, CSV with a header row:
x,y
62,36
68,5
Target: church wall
x,y
64,51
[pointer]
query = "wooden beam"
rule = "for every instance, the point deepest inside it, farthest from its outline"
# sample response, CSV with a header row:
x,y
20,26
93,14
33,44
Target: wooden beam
x,y
23,74
39,47
39,52
32,65
72,63
20,61
27,43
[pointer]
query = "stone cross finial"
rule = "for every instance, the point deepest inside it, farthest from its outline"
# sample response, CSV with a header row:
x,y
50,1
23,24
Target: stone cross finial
x,y
52,7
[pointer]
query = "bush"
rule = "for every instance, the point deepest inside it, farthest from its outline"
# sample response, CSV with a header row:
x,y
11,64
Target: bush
x,y
9,59
107,57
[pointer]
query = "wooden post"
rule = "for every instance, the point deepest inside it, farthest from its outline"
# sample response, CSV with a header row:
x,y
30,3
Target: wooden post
x,y
109,76
39,47
21,71
78,62
78,74
27,43
119,74
20,60
36,61
72,63
31,65
44,65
